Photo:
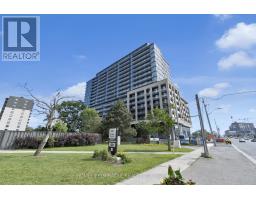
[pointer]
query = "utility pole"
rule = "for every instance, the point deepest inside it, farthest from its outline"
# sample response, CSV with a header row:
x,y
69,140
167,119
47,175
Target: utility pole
x,y
206,152
209,123
217,128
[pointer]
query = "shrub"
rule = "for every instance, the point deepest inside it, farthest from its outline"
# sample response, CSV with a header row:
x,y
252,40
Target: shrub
x,y
175,178
96,154
50,142
102,155
27,142
123,157
81,139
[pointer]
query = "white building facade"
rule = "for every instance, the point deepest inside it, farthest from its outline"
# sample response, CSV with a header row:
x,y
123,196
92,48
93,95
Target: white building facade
x,y
164,95
15,114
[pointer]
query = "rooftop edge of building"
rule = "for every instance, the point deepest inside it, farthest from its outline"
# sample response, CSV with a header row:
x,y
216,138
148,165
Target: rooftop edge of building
x,y
140,47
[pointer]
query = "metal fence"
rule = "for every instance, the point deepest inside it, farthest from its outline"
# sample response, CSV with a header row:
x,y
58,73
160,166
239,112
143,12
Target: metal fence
x,y
7,138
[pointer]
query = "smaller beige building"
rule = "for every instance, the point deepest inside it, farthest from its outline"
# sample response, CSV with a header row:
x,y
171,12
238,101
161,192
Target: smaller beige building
x,y
15,113
164,95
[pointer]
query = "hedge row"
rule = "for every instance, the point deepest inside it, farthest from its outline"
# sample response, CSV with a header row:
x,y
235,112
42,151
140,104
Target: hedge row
x,y
82,139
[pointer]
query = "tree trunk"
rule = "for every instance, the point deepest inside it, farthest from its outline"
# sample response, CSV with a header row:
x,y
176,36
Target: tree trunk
x,y
43,143
169,138
169,142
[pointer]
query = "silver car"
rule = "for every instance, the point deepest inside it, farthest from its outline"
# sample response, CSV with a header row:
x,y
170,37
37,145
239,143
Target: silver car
x,y
241,140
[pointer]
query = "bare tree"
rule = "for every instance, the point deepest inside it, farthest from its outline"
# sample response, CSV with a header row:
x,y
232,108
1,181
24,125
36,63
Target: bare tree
x,y
47,109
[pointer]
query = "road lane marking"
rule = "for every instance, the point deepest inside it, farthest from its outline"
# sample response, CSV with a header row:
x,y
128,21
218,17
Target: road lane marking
x,y
245,154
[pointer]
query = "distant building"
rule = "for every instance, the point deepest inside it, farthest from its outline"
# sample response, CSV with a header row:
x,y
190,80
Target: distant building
x,y
241,129
15,113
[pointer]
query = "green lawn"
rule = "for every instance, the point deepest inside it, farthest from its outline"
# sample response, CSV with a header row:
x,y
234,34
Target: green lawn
x,y
123,147
72,168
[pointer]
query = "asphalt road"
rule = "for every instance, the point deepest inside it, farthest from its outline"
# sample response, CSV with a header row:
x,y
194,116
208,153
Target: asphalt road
x,y
226,167
247,147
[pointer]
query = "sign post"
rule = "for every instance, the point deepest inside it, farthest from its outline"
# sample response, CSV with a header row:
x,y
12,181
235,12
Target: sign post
x,y
112,142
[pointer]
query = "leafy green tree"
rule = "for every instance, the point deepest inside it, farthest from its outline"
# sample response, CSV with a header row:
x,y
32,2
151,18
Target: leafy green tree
x,y
60,126
143,131
29,129
40,128
128,132
161,122
118,117
198,133
70,112
90,120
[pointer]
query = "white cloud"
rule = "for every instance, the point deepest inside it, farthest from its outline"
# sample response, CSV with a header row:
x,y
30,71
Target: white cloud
x,y
76,92
252,110
214,91
242,36
222,17
239,59
79,57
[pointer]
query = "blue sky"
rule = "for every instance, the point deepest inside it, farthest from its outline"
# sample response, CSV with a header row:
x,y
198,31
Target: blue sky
x,y
208,54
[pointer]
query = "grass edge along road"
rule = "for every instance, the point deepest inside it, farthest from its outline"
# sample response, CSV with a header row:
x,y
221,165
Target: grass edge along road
x,y
123,148
55,169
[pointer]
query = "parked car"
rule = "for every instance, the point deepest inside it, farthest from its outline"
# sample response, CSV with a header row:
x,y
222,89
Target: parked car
x,y
241,140
193,140
183,139
228,141
154,140
253,140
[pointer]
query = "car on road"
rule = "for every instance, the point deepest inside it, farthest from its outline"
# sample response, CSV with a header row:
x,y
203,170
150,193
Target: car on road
x,y
241,140
183,139
227,141
220,140
253,140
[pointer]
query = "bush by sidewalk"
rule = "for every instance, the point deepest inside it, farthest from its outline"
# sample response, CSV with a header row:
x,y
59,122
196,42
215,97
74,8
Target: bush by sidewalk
x,y
175,178
81,139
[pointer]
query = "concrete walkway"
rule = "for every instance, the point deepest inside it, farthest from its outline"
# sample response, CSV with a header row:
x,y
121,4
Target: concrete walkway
x,y
79,152
154,176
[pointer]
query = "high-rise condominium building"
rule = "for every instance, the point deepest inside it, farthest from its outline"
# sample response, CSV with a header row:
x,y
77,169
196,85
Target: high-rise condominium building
x,y
15,113
142,69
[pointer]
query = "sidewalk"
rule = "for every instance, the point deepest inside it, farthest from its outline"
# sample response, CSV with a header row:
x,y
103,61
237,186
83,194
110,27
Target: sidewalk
x,y
80,152
154,176
226,167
